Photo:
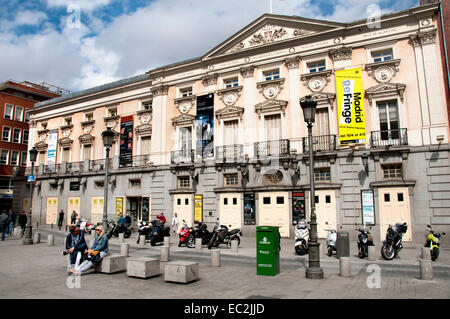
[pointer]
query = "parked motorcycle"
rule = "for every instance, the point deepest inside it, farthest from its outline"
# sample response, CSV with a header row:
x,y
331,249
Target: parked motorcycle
x,y
185,234
199,231
364,241
221,235
301,237
143,229
393,242
433,241
115,229
159,231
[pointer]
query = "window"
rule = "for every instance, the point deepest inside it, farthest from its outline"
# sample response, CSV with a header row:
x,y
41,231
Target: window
x,y
184,182
135,183
266,200
225,201
44,126
86,152
65,154
322,175
145,145
280,200
6,134
53,186
328,199
8,111
316,199
271,75
27,116
179,201
231,179
25,137
74,186
318,66
147,105
387,198
392,171
23,159
68,121
17,132
41,158
383,55
19,113
234,201
400,197
89,116
186,92
4,156
389,124
99,184
186,201
230,83
14,158
112,111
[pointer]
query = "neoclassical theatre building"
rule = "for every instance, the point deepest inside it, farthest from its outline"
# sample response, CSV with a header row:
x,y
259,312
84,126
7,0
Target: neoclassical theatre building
x,y
223,135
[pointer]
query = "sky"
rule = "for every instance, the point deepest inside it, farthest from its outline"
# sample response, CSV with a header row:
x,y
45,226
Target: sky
x,y
80,44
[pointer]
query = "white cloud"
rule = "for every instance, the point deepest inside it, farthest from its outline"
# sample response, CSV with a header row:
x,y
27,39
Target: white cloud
x,y
22,18
88,5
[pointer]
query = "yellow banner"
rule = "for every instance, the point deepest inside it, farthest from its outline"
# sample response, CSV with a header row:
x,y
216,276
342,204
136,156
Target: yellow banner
x,y
350,99
198,208
119,206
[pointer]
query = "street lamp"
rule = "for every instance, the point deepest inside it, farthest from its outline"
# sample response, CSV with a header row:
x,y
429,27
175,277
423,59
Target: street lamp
x,y
313,271
108,137
28,228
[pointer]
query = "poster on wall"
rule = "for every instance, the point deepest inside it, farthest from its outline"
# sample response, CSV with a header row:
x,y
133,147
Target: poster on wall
x,y
119,207
51,151
126,141
145,208
368,210
205,126
350,99
198,208
298,207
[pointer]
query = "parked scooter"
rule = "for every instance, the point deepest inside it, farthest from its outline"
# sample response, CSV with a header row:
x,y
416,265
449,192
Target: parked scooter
x,y
144,229
185,234
159,231
433,241
115,229
200,231
393,242
85,226
222,235
301,237
364,241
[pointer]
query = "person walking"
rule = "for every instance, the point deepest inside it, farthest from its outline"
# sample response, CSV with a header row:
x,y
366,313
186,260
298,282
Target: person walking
x,y
73,218
22,222
61,219
175,222
3,223
98,250
12,221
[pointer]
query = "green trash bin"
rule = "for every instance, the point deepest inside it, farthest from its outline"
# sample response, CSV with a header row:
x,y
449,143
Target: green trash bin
x,y
267,250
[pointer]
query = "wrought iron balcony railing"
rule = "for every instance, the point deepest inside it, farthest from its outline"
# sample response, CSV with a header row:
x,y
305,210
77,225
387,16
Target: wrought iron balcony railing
x,y
272,148
182,156
141,161
229,153
320,143
75,167
395,137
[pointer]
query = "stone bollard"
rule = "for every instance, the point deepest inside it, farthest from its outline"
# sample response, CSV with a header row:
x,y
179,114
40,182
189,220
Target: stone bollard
x,y
198,243
142,240
215,258
121,237
426,253
345,266
50,240
372,253
37,238
426,269
234,246
17,231
166,241
165,253
125,249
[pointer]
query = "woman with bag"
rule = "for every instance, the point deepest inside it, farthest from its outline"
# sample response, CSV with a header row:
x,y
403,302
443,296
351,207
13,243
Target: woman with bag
x,y
98,250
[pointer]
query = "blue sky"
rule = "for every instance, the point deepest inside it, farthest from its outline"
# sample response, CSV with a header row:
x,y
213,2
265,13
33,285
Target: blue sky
x,y
79,44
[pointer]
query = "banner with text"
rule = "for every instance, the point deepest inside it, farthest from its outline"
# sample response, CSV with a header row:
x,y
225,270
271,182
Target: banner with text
x,y
350,99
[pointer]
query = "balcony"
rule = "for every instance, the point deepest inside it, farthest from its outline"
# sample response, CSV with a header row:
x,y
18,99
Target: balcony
x,y
182,156
75,167
321,143
99,165
272,148
141,161
229,153
397,137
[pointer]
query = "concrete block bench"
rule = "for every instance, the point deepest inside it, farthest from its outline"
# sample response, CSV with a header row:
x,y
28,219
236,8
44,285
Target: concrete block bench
x,y
111,264
181,271
143,267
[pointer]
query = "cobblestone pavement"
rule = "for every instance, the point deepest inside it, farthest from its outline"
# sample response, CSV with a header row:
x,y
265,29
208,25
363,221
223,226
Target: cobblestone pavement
x,y
39,271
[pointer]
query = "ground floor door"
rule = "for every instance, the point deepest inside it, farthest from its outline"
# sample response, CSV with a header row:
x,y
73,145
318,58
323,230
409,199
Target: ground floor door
x,y
274,211
394,208
96,210
231,210
184,207
326,214
134,208
73,205
52,211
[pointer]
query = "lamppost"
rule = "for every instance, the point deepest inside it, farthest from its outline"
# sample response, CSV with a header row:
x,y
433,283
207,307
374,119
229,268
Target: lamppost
x,y
313,271
28,228
108,137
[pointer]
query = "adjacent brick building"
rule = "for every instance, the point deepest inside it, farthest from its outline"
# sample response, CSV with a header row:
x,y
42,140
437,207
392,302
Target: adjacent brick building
x,y
16,99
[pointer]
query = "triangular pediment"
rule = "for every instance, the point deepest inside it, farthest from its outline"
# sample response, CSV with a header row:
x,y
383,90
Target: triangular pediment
x,y
271,29
386,90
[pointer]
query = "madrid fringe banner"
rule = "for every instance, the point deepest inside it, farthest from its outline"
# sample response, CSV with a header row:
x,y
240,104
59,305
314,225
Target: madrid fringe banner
x,y
350,99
